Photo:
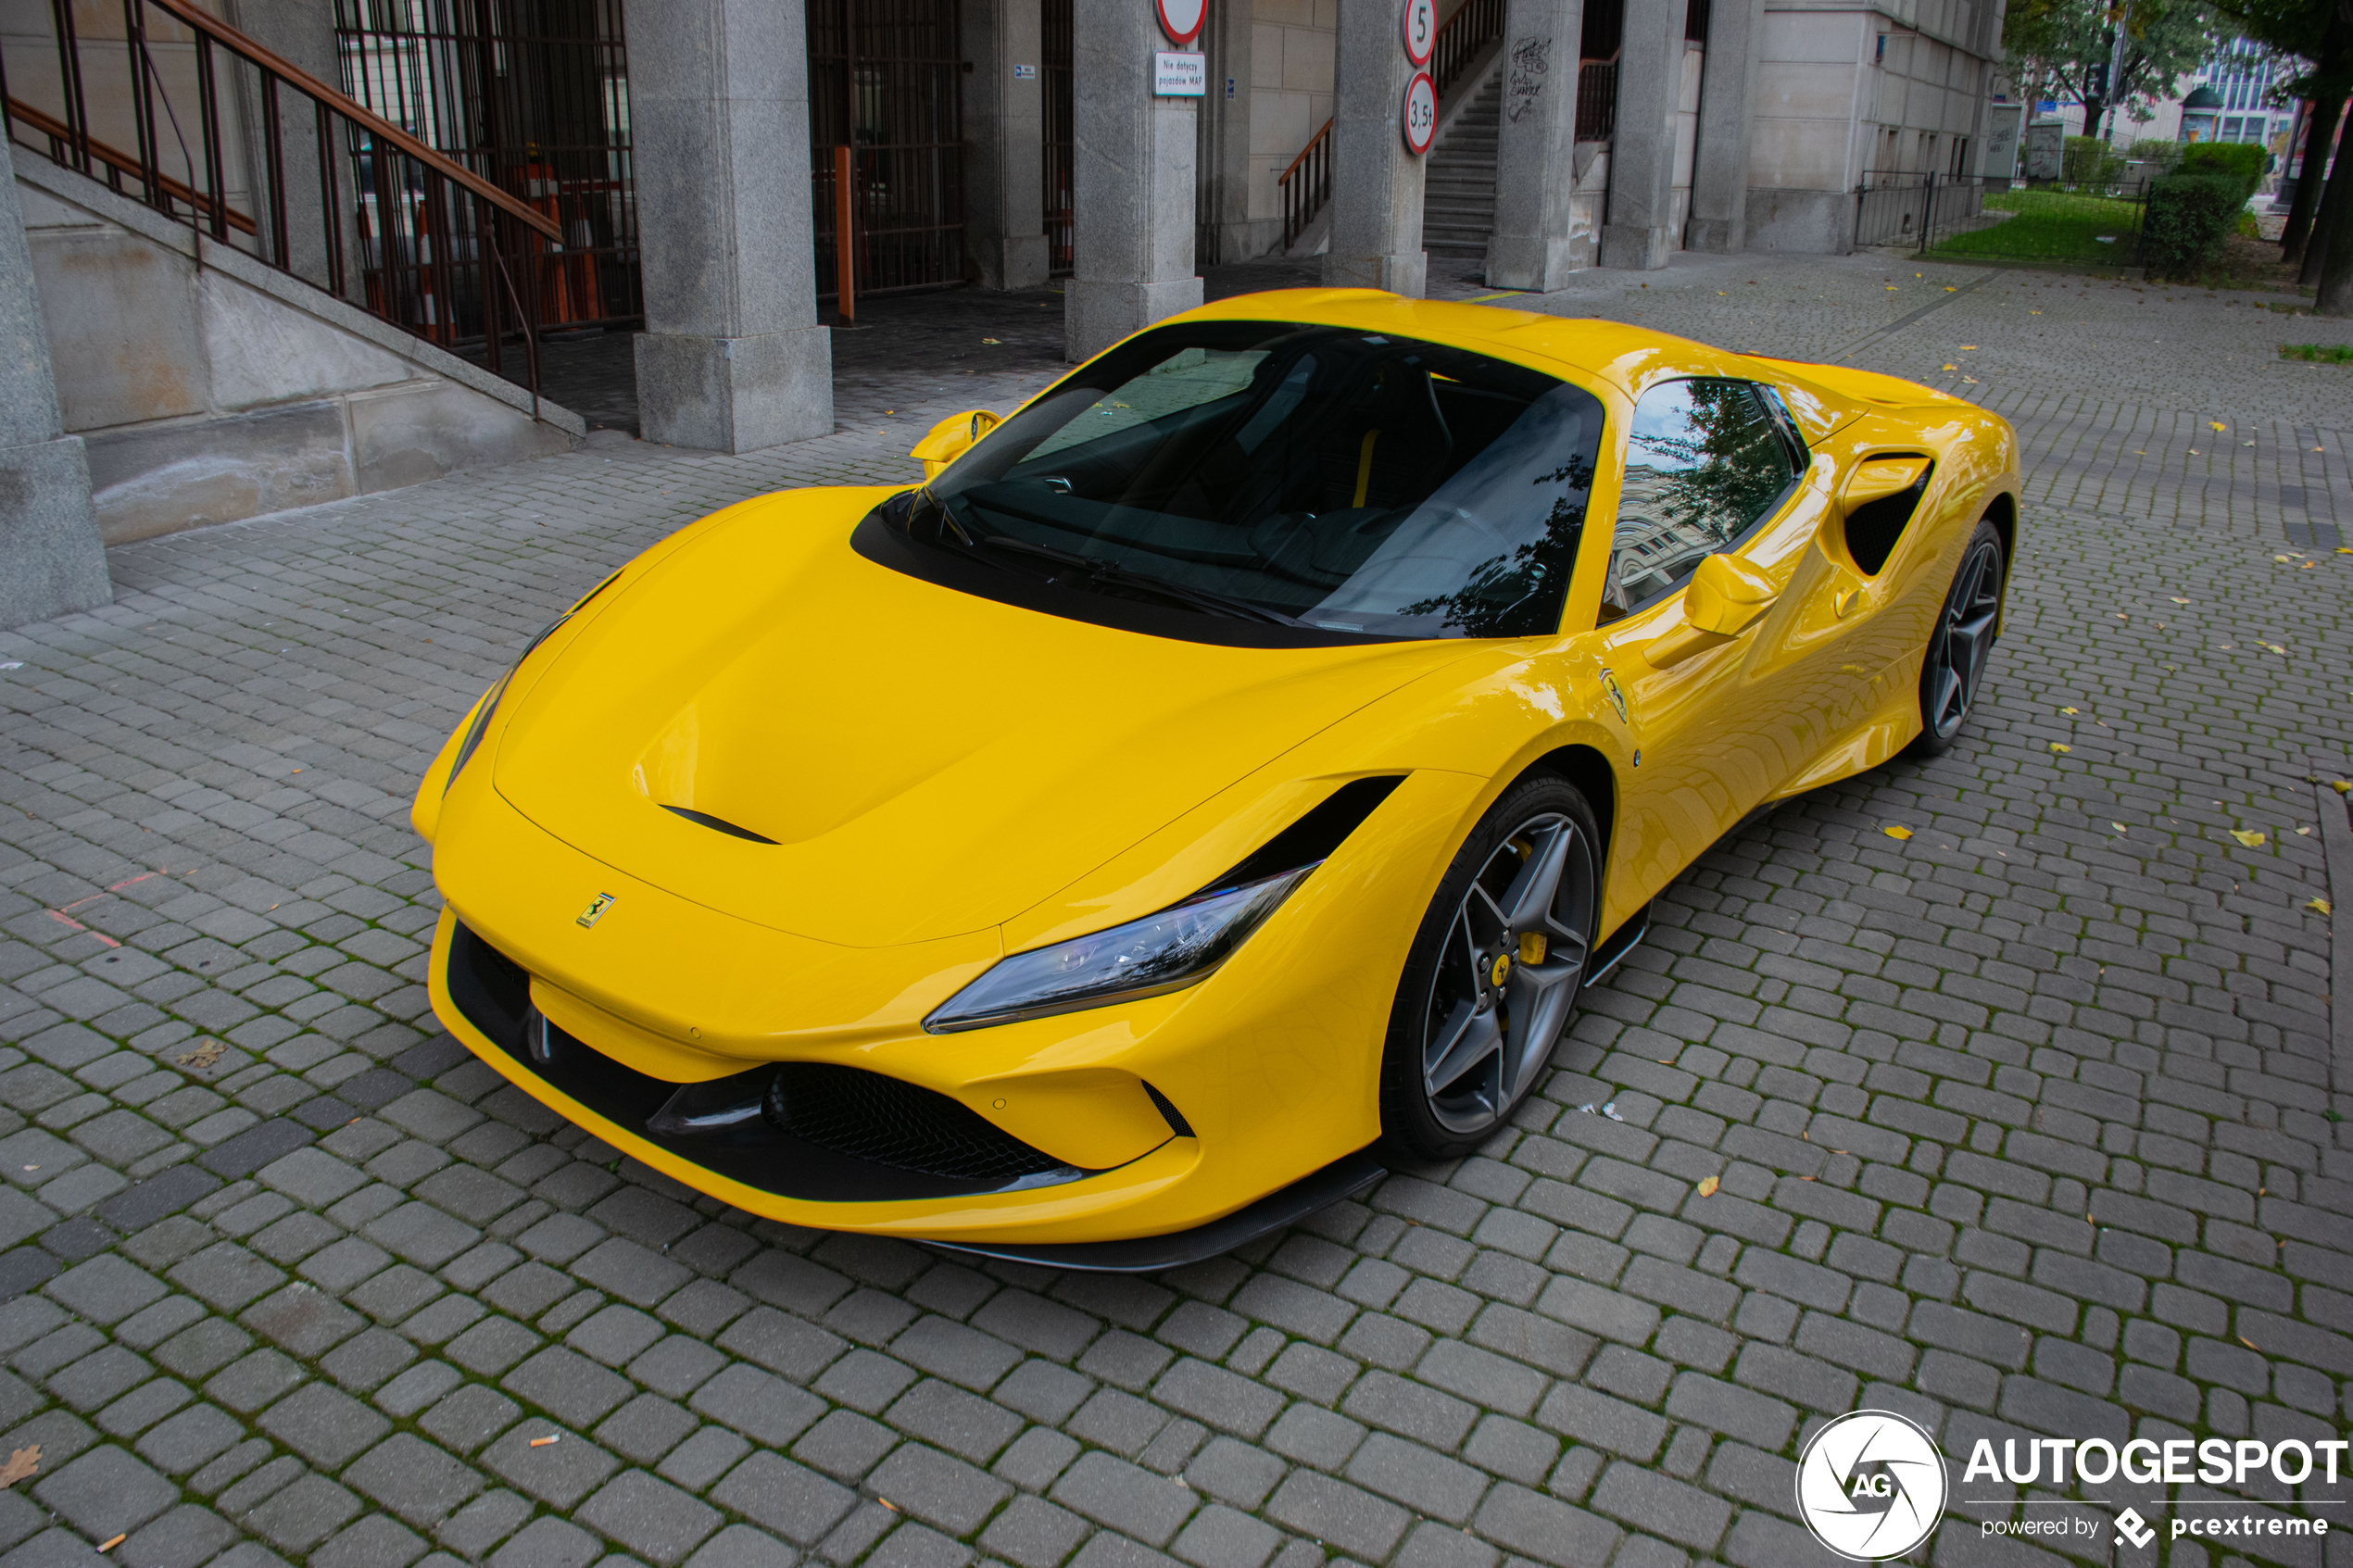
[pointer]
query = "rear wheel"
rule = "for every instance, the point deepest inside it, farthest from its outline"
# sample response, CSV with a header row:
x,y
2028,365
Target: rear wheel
x,y
1491,981
1961,642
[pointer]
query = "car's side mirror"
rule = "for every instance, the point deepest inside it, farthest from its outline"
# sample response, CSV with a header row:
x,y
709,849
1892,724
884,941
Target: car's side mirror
x,y
1875,479
947,440
1726,597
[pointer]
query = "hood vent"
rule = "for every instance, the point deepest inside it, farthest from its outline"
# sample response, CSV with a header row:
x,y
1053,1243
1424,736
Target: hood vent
x,y
704,819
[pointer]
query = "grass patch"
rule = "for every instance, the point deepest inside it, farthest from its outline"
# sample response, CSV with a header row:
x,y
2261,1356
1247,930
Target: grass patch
x,y
2319,353
2051,226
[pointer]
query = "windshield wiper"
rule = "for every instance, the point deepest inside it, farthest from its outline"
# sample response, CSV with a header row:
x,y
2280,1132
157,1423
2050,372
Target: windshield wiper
x,y
1103,570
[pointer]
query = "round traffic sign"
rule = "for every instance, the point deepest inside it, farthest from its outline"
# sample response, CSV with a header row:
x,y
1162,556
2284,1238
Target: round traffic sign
x,y
1420,112
1181,19
1421,30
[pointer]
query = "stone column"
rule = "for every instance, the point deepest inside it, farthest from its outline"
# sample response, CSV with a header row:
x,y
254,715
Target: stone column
x,y
1005,143
1639,228
1132,197
302,32
1727,100
1226,129
1536,148
1377,183
732,359
51,563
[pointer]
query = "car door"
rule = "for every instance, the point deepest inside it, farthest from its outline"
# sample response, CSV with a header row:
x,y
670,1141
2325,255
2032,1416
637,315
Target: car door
x,y
1718,503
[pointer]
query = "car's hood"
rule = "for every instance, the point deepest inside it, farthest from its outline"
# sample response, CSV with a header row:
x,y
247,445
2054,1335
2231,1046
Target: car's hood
x,y
925,761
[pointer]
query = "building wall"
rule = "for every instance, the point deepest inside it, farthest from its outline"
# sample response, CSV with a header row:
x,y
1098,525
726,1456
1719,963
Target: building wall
x,y
1291,88
210,388
1845,87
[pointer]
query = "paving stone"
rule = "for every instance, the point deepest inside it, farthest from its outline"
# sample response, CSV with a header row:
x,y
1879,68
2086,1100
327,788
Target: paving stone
x,y
651,1517
2060,1087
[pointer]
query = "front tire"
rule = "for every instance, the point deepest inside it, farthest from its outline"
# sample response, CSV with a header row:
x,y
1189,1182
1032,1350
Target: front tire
x,y
1961,644
1492,980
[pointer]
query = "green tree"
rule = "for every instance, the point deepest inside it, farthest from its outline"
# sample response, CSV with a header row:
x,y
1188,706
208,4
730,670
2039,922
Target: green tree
x,y
2319,33
2062,49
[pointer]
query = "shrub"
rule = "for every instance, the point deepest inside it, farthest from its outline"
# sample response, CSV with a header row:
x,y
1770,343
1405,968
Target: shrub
x,y
2087,160
2162,151
2186,222
2242,161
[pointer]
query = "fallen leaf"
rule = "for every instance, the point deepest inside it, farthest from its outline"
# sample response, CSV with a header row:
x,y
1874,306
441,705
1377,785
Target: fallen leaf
x,y
2343,787
2274,647
2216,424
2062,751
2248,836
203,1056
2283,559
2177,599
2303,833
21,1463
1969,348
1951,367
1897,831
2318,906
2117,826
2071,710
992,340
1707,1185
2251,1344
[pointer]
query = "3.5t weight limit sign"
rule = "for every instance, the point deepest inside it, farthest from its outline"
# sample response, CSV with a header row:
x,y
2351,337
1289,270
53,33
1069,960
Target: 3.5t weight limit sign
x,y
1420,112
1421,30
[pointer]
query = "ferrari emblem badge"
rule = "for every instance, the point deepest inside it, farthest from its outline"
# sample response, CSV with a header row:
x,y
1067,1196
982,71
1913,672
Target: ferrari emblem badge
x,y
1502,967
1617,697
596,909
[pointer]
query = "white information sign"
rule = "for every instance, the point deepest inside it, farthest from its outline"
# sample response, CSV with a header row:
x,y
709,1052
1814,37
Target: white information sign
x,y
1176,74
1421,30
1420,112
1180,20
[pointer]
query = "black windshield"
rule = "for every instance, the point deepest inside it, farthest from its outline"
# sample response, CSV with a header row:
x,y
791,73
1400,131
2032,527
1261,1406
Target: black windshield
x,y
1339,484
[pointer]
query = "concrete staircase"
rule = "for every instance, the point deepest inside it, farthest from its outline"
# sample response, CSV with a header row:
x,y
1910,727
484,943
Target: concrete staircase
x,y
1458,195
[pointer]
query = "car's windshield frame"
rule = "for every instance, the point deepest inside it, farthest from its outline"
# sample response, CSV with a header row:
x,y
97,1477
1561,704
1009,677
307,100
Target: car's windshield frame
x,y
1435,540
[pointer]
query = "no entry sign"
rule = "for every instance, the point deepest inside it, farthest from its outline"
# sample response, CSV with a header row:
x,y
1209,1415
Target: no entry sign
x,y
1181,19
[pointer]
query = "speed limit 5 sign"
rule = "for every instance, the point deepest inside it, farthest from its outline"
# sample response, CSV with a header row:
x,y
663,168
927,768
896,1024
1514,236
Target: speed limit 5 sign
x,y
1421,30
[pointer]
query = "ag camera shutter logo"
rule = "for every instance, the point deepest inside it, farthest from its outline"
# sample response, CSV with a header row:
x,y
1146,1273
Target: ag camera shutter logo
x,y
1870,1486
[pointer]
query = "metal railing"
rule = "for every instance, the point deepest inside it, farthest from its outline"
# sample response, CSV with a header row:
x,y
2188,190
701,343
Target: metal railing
x,y
1921,211
187,115
1476,24
1596,99
1306,185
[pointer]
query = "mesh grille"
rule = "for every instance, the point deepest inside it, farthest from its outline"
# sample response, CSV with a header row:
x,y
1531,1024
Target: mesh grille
x,y
891,1122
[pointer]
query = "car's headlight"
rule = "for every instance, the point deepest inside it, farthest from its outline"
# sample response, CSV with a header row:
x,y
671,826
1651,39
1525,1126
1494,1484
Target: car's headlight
x,y
1160,953
475,730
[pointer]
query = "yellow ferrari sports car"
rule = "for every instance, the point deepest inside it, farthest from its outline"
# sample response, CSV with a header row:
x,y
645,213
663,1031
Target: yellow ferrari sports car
x,y
1217,778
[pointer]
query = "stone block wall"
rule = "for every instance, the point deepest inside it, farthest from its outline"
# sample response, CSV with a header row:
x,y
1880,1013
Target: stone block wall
x,y
208,388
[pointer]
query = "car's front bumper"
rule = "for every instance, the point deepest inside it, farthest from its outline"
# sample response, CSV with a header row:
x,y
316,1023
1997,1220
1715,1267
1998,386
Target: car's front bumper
x,y
1271,1066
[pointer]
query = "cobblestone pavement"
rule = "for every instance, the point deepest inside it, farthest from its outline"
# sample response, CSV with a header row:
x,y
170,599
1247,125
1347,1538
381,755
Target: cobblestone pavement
x,y
2024,1124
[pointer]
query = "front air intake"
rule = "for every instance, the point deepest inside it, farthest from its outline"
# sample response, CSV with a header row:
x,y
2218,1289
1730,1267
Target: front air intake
x,y
891,1122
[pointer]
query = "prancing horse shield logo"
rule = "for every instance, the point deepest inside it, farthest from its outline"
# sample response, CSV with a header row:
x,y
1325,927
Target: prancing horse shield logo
x,y
596,909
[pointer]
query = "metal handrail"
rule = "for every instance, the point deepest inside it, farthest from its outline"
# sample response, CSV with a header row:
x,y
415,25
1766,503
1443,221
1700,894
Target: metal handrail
x,y
1303,200
398,228
121,162
383,130
1471,29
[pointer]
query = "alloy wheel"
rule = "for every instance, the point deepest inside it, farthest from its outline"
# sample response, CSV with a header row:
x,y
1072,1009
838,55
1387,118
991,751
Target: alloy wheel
x,y
1506,978
1964,639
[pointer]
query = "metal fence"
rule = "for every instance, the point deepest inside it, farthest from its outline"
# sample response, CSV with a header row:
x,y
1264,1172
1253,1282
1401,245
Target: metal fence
x,y
1922,212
